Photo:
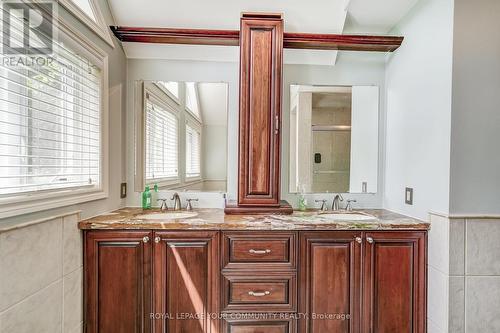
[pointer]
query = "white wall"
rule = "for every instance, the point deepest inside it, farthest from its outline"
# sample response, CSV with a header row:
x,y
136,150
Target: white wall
x,y
418,89
475,131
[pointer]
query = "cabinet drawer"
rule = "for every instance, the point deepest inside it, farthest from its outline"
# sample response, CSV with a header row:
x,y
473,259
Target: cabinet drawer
x,y
273,291
259,251
259,326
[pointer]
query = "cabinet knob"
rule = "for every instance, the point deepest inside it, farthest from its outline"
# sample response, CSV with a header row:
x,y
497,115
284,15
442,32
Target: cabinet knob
x,y
145,239
157,239
359,240
369,240
259,293
266,251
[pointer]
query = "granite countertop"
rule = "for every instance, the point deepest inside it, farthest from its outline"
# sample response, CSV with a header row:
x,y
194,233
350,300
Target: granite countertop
x,y
215,219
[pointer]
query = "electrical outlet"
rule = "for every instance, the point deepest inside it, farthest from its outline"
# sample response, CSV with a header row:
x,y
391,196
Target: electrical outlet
x,y
123,190
409,196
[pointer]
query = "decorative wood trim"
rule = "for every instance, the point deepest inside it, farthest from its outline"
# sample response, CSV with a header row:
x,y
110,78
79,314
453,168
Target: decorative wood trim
x,y
342,42
177,36
291,40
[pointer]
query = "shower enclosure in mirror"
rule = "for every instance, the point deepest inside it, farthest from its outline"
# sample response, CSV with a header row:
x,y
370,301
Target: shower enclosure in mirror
x,y
333,139
181,135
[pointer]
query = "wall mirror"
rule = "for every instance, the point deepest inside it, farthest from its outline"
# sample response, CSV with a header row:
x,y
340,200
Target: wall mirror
x,y
333,139
181,135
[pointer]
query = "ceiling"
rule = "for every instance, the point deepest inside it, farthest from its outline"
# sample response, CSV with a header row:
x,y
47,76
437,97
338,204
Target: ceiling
x,y
319,16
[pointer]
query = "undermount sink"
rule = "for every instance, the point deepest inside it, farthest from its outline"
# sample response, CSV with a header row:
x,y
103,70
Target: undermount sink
x,y
347,217
167,216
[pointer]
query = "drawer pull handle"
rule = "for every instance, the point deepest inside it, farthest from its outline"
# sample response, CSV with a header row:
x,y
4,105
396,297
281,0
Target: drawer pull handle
x,y
259,294
266,251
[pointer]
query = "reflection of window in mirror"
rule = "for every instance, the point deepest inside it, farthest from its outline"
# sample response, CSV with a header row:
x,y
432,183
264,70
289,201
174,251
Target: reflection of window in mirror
x,y
170,87
184,131
192,99
193,150
161,133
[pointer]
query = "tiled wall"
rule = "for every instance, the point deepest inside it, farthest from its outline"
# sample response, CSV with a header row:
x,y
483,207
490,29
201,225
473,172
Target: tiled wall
x,y
41,269
464,275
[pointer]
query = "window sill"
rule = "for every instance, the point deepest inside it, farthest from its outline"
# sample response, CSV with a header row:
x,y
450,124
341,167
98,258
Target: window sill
x,y
36,205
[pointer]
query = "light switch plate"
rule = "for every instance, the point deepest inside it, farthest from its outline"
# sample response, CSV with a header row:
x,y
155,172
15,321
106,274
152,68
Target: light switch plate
x,y
409,196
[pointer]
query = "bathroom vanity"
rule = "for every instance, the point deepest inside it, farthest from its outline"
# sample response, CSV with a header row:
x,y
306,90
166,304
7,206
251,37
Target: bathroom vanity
x,y
306,272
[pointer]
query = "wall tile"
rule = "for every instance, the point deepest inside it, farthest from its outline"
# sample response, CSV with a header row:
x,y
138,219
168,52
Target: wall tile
x,y
40,313
483,247
482,299
31,259
457,247
437,294
438,251
73,298
73,244
457,304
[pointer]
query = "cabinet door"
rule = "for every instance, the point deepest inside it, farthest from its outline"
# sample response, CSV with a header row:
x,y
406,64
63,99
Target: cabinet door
x,y
117,281
261,53
394,299
186,281
330,282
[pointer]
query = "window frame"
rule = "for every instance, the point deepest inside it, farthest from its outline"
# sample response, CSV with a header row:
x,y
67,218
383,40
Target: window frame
x,y
98,26
167,103
168,93
29,202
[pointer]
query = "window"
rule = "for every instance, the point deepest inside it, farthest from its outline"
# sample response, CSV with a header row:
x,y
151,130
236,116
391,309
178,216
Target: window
x,y
170,87
89,13
193,151
50,125
161,141
192,99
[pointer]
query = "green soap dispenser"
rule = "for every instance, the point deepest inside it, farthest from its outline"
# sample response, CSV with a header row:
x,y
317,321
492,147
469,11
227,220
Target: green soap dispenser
x,y
146,198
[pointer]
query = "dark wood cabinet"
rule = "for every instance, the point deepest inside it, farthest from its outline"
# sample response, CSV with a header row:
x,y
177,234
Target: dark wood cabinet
x,y
261,53
394,288
117,282
186,281
369,282
330,281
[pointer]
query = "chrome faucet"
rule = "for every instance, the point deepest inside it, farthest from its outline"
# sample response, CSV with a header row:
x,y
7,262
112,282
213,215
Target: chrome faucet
x,y
177,201
336,202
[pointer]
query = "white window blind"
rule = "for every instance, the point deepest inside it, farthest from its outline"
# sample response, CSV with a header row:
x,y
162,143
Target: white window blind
x,y
192,99
50,123
193,151
161,141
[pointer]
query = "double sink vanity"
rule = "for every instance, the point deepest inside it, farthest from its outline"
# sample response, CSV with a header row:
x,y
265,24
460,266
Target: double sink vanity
x,y
204,271
256,266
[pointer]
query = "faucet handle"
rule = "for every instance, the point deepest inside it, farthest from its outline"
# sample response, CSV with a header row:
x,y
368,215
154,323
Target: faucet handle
x,y
348,207
163,205
323,204
189,206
